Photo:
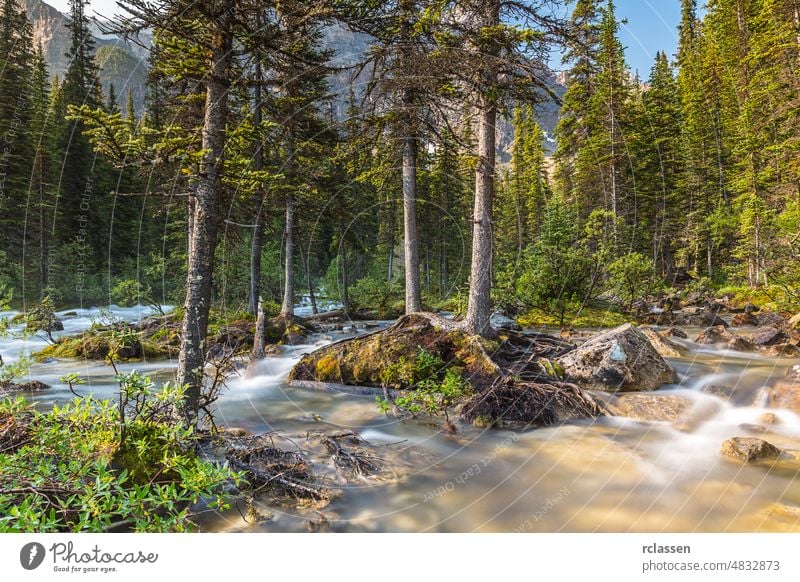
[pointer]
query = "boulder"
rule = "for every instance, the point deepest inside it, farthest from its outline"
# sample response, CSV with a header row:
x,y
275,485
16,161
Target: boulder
x,y
663,345
750,450
772,319
750,308
622,359
768,336
742,319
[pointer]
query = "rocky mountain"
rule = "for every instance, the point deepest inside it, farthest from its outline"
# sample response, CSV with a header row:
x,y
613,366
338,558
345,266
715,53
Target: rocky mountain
x,y
121,63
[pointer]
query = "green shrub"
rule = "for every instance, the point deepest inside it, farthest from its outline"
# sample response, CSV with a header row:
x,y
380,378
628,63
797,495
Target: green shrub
x,y
130,292
91,465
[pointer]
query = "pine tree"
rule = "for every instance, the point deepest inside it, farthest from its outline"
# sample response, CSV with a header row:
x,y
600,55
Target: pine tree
x,y
16,151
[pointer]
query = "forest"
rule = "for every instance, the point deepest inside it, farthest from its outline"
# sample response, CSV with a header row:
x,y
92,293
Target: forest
x,y
267,171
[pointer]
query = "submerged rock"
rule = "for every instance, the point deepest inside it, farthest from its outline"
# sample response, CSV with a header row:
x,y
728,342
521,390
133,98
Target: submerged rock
x,y
783,394
622,359
651,407
750,450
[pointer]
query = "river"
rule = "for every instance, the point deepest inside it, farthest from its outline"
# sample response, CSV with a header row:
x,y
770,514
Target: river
x,y
612,474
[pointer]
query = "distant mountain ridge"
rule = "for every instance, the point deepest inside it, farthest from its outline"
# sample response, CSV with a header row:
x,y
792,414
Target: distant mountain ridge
x,y
120,63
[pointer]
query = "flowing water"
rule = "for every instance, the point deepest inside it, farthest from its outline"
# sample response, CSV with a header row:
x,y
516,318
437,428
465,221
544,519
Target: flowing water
x,y
610,474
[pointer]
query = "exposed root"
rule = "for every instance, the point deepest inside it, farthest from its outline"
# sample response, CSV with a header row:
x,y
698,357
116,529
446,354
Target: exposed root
x,y
529,404
268,469
14,431
353,459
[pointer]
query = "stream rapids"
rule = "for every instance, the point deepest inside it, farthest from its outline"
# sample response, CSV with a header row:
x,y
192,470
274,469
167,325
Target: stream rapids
x,y
611,474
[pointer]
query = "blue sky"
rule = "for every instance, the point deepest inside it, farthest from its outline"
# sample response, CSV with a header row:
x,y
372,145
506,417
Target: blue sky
x,y
651,27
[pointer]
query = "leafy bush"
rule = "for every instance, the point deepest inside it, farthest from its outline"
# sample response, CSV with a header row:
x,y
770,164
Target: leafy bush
x,y
130,292
632,276
42,317
375,293
95,465
432,387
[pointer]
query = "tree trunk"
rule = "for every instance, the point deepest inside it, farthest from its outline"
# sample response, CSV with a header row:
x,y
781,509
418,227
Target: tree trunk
x,y
309,282
392,218
411,243
260,338
256,247
257,243
479,308
205,221
345,281
287,308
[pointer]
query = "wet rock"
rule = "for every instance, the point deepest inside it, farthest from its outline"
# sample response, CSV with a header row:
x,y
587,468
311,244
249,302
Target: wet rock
x,y
786,350
235,432
651,407
750,450
710,319
740,344
794,322
769,419
622,359
768,336
742,319
714,335
783,394
674,332
771,318
31,386
663,345
718,390
750,308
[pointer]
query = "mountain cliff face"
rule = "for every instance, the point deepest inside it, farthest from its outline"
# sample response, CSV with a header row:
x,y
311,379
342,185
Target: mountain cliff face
x,y
120,63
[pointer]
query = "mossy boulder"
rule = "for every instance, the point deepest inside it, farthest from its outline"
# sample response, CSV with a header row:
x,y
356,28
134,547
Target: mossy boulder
x,y
363,360
507,379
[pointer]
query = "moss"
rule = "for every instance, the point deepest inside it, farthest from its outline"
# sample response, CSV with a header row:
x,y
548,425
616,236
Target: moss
x,y
327,369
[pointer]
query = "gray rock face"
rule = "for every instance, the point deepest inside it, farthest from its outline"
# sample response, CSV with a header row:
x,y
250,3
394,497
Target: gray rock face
x,y
750,450
620,360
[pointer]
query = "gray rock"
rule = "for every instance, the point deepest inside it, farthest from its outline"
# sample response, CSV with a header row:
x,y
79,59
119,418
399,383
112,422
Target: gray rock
x,y
750,450
768,336
771,318
619,360
663,345
741,319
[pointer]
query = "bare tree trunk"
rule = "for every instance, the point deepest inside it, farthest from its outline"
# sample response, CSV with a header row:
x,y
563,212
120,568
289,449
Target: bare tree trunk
x,y
392,218
260,338
205,220
287,308
479,308
345,281
309,282
411,243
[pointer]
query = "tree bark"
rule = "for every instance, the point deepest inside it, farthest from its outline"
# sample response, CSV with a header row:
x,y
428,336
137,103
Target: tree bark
x,y
257,243
287,308
260,338
479,309
411,243
205,220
